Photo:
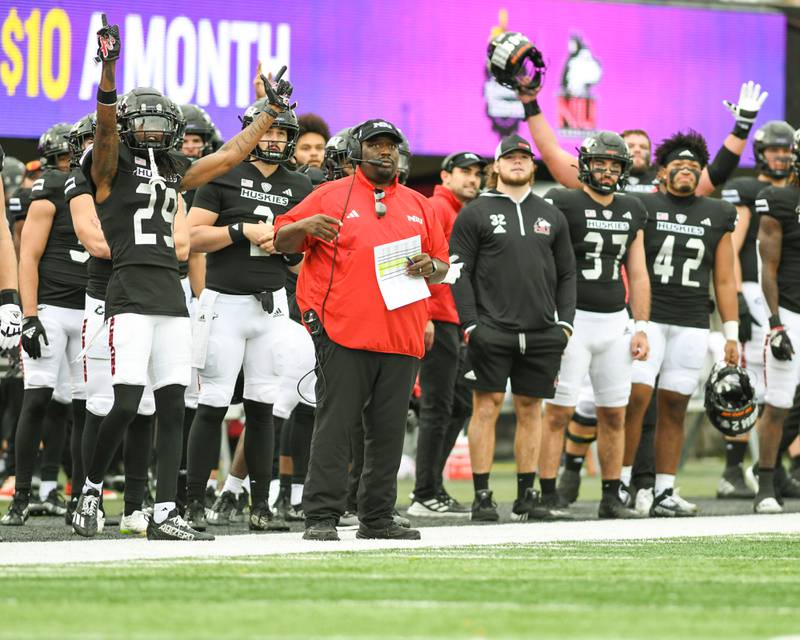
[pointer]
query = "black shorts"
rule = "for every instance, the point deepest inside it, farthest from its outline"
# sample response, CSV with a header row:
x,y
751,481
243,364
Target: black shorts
x,y
532,360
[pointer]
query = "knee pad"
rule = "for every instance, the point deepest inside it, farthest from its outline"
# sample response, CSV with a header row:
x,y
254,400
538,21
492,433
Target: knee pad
x,y
580,439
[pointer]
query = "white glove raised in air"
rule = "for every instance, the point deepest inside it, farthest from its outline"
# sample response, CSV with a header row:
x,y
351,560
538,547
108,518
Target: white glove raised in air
x,y
454,272
751,99
10,326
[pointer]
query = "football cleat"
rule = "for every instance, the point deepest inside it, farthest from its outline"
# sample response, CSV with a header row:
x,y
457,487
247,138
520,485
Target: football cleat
x,y
174,528
751,477
625,495
670,505
348,519
484,508
785,484
767,505
644,500
732,485
323,531
223,509
455,505
262,519
85,521
133,525
392,532
17,513
612,509
210,497
531,507
241,506
295,513
53,505
431,508
73,502
399,520
195,515
569,485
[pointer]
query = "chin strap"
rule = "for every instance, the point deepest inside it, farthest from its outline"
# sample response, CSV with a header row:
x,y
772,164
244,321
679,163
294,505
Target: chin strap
x,y
154,175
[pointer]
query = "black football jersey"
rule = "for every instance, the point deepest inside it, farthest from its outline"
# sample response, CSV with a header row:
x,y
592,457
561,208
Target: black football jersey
x,y
137,219
17,206
643,183
742,191
600,237
783,204
245,195
681,241
98,269
62,267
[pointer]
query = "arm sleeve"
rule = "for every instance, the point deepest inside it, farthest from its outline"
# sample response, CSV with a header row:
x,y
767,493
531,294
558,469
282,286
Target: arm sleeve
x,y
566,278
465,243
722,166
310,206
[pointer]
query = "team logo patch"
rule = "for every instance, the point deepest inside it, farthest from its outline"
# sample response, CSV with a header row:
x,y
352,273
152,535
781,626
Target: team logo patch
x,y
265,187
590,213
627,215
662,215
99,309
607,214
247,183
706,222
680,217
352,214
542,226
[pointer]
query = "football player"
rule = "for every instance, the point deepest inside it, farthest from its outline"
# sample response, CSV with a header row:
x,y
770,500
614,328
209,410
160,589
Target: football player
x,y
313,135
773,147
338,153
687,241
607,231
136,177
779,246
643,178
563,167
52,287
231,220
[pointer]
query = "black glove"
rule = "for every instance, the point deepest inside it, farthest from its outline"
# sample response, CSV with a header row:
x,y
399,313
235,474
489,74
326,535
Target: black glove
x,y
108,42
32,332
279,92
746,321
779,342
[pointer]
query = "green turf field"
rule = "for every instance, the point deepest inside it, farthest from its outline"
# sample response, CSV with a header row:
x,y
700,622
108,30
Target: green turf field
x,y
729,588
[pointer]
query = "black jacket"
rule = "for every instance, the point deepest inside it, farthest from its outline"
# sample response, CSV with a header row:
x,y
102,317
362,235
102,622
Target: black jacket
x,y
519,266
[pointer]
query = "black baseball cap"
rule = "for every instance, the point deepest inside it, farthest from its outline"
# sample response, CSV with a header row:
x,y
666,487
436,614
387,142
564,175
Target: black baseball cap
x,y
462,159
512,143
377,127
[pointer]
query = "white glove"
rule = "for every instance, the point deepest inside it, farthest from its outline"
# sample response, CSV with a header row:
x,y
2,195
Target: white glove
x,y
10,326
751,98
454,272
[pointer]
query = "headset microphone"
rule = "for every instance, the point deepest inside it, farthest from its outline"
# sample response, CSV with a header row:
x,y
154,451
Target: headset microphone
x,y
374,163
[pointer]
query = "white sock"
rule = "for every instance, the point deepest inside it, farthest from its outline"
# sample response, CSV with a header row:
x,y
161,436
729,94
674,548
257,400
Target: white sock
x,y
274,490
625,475
664,481
161,511
212,482
233,484
45,487
88,484
297,494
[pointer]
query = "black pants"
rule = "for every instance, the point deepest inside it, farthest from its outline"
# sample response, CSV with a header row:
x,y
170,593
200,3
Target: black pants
x,y
354,384
440,418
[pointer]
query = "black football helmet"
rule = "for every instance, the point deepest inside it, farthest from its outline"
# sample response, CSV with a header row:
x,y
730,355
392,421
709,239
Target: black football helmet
x,y
147,119
775,133
514,61
604,145
53,143
730,400
13,174
82,129
285,120
197,122
339,151
404,163
217,140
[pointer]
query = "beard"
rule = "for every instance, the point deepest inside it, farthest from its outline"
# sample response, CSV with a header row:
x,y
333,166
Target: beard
x,y
516,180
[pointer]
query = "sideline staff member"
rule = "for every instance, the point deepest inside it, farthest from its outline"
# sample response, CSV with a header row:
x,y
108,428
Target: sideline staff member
x,y
367,355
516,300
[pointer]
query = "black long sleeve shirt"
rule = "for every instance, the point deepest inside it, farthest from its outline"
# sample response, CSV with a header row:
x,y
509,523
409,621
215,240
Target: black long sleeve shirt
x,y
519,266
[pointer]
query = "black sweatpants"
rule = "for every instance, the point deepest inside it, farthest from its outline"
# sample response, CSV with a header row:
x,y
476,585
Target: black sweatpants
x,y
352,383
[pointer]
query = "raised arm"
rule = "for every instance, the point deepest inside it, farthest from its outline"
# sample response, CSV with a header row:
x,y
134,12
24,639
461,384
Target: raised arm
x,y
106,140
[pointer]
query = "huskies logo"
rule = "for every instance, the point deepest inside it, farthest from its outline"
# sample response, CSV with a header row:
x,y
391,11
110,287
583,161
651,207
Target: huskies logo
x,y
577,111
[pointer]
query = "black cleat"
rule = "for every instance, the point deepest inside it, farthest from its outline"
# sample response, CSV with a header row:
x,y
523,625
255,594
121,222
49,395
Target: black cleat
x,y
17,513
174,528
569,485
785,485
455,506
531,507
732,485
611,508
71,506
262,519
210,497
195,515
53,505
393,532
484,508
241,506
295,513
223,509
84,520
321,531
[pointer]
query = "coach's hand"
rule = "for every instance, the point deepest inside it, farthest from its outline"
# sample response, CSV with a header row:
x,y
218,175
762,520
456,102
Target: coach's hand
x,y
322,227
421,266
430,331
640,347
32,334
108,42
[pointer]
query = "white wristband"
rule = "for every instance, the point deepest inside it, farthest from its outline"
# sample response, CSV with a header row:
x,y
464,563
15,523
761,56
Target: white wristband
x,y
641,326
730,330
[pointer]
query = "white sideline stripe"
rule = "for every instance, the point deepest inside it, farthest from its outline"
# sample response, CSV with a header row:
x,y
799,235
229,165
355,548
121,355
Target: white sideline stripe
x,y
90,551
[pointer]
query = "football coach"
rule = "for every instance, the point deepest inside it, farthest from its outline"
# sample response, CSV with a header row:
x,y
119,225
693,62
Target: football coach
x,y
367,354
